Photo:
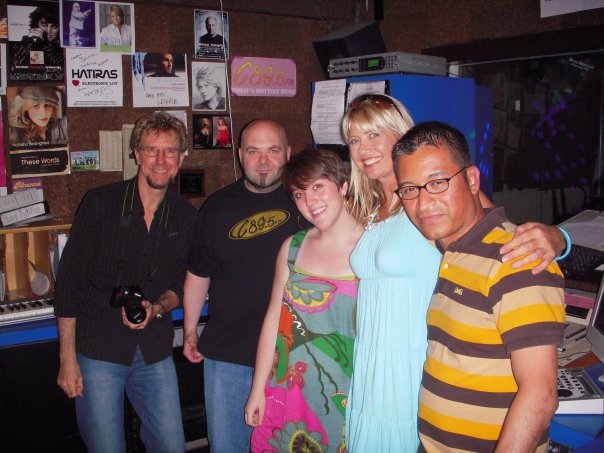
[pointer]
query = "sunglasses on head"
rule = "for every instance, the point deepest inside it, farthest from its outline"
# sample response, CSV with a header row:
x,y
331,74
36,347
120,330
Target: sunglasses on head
x,y
382,101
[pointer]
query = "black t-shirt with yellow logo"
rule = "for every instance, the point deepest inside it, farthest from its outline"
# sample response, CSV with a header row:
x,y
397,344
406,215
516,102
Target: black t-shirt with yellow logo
x,y
236,240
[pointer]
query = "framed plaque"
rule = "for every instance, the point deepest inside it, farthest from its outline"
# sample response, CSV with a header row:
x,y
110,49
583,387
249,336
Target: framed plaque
x,y
191,182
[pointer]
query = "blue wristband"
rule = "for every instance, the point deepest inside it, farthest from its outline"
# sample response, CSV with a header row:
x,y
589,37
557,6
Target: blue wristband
x,y
568,245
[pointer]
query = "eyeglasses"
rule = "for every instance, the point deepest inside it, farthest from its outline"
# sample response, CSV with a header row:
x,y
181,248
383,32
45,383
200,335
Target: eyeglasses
x,y
382,101
435,186
150,151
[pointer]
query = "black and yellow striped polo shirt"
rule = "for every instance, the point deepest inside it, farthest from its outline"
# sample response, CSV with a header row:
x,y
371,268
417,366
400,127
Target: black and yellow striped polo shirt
x,y
481,311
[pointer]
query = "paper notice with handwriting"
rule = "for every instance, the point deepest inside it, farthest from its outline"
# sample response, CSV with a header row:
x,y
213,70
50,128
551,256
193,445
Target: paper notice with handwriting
x,y
94,79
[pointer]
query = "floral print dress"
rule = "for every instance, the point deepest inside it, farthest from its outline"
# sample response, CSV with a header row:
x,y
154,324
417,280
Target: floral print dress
x,y
307,392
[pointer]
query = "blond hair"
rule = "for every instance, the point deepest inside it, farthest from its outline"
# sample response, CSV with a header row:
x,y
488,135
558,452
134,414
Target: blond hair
x,y
372,112
117,10
18,117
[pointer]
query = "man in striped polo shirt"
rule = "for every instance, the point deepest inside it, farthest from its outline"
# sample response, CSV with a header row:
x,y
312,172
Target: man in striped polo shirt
x,y
489,381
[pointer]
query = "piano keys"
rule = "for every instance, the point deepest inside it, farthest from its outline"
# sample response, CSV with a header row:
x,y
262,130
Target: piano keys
x,y
26,311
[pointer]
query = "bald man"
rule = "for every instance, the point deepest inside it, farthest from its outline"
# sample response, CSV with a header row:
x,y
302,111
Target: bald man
x,y
239,231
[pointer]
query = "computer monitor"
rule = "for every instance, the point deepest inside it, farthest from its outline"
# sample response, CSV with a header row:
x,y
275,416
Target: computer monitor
x,y
595,330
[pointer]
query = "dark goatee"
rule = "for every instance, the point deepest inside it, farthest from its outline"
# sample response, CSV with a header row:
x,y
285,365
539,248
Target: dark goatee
x,y
262,184
154,185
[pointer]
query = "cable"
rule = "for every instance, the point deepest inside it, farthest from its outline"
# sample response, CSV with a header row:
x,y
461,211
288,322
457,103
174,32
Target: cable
x,y
227,95
323,19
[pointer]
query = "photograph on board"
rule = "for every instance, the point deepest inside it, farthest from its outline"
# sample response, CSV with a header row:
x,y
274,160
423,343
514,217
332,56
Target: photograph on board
x,y
209,86
115,31
159,79
77,25
94,79
165,65
36,116
222,132
35,51
202,132
211,34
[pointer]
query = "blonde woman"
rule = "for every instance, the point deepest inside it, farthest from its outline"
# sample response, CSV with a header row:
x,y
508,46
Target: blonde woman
x,y
223,139
117,33
34,118
209,81
397,268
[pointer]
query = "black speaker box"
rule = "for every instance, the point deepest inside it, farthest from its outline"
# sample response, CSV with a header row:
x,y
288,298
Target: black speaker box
x,y
36,415
350,41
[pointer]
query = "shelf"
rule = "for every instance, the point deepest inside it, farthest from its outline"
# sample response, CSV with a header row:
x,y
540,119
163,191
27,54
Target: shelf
x,y
20,246
56,223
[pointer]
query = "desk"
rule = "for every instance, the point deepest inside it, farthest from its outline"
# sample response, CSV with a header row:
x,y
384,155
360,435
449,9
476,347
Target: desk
x,y
580,430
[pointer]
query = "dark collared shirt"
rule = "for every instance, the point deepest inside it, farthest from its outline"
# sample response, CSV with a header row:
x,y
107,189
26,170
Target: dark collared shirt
x,y
109,245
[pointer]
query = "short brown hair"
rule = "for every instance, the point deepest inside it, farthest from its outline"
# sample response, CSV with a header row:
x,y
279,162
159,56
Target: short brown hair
x,y
312,164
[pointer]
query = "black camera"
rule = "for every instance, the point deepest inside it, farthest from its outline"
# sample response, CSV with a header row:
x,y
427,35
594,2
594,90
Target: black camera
x,y
129,297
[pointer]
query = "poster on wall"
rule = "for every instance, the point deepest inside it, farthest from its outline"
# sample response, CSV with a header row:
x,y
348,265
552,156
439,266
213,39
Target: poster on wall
x,y
159,80
94,79
202,132
209,82
115,31
37,117
34,48
84,160
78,24
31,164
222,131
211,34
255,76
21,184
37,130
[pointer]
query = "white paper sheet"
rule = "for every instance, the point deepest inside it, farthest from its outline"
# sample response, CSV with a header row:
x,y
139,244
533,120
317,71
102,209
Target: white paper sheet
x,y
110,148
327,111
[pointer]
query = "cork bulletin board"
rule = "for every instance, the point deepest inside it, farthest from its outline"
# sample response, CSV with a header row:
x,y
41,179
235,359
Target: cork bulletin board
x,y
164,26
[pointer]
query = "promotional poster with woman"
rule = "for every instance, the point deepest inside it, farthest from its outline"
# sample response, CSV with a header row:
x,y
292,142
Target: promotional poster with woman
x,y
202,132
116,27
222,132
209,86
37,130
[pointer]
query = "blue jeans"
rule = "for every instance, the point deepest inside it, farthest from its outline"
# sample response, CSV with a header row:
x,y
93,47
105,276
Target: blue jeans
x,y
153,392
226,388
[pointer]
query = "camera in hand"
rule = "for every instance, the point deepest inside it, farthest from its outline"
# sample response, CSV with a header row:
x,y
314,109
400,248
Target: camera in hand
x,y
129,297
